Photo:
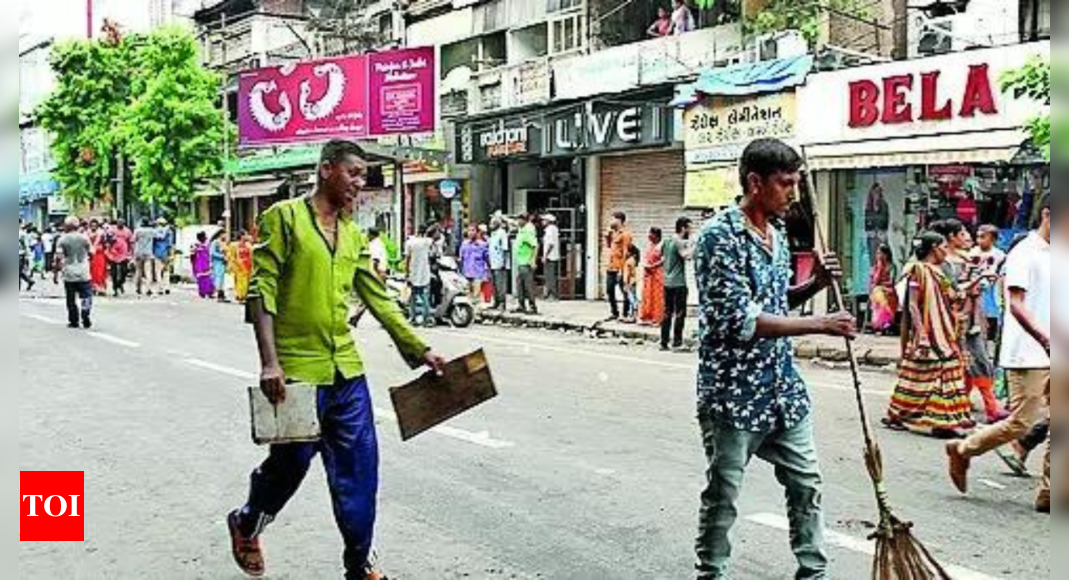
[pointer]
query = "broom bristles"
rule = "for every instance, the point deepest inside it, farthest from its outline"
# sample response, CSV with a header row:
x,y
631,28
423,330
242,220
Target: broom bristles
x,y
901,556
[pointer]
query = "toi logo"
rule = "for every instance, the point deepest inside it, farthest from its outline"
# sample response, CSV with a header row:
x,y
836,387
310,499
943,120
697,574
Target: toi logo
x,y
52,506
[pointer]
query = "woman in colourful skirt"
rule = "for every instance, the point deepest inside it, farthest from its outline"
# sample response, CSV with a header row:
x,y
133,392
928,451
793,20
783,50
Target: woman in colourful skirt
x,y
883,298
930,398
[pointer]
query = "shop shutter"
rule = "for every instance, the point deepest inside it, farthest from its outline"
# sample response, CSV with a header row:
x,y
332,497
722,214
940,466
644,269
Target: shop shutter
x,y
648,187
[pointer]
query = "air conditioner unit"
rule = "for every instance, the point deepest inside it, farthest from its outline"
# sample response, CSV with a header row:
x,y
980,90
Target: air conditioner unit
x,y
780,45
935,35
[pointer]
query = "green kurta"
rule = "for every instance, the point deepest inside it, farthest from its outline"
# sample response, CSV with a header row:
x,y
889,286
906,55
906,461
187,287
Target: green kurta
x,y
307,287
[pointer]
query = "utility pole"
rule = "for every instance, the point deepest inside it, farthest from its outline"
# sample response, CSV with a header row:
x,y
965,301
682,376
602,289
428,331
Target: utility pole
x,y
228,185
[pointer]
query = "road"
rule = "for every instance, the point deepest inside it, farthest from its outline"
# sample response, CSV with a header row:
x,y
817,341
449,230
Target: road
x,y
587,467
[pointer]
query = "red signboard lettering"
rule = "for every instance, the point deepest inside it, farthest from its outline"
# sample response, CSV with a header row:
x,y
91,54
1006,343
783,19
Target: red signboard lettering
x,y
891,101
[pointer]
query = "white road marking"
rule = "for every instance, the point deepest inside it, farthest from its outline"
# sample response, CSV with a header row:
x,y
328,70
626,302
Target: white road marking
x,y
527,346
993,484
482,438
852,544
43,319
223,370
113,339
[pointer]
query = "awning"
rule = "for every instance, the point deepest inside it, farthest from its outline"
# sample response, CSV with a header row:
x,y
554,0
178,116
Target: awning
x,y
993,147
746,79
251,189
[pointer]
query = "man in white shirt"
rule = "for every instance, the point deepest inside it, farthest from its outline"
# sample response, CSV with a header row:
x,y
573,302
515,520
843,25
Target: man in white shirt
x,y
380,258
682,18
551,257
1025,356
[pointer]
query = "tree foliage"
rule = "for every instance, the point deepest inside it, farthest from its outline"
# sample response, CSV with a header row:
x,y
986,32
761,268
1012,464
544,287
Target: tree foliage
x,y
172,128
145,96
1032,81
805,16
91,92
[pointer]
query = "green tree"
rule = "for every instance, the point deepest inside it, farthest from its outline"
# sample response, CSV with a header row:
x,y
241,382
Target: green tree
x,y
172,128
91,91
1032,81
145,96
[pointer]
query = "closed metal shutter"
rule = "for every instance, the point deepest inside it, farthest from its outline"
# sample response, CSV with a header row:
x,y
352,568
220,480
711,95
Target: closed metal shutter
x,y
648,187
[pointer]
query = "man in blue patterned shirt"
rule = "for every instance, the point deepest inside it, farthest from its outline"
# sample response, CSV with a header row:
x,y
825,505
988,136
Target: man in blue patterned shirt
x,y
752,401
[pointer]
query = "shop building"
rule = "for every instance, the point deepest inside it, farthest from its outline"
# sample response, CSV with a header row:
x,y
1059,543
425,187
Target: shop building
x,y
900,145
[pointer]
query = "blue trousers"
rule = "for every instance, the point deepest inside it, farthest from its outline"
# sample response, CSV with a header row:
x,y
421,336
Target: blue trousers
x,y
350,451
421,305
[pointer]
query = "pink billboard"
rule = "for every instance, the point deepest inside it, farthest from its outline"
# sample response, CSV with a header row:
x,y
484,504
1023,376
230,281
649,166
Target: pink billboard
x,y
352,97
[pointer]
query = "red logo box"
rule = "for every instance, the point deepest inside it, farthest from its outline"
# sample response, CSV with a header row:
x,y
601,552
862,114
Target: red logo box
x,y
52,506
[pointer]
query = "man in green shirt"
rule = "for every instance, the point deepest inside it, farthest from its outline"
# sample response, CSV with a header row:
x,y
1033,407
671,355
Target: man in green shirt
x,y
526,255
310,258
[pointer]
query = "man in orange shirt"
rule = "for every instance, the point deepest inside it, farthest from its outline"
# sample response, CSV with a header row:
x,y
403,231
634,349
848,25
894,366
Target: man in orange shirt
x,y
618,241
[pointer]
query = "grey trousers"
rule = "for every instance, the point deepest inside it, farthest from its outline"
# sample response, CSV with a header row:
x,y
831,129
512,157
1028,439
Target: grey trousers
x,y
793,454
552,280
501,288
525,288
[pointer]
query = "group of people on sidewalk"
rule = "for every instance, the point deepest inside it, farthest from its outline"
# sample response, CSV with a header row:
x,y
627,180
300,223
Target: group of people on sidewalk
x,y
665,292
945,348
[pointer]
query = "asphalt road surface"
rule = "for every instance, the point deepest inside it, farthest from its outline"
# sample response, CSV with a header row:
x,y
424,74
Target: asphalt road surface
x,y
587,467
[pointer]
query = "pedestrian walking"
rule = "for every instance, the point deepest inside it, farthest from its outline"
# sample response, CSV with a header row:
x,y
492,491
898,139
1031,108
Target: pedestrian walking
x,y
98,266
652,311
242,266
380,258
499,262
618,241
968,281
163,252
420,251
310,255
220,263
73,250
678,250
49,237
475,262
201,257
752,401
145,258
990,259
38,252
551,256
1025,356
930,397
119,250
24,258
525,254
630,288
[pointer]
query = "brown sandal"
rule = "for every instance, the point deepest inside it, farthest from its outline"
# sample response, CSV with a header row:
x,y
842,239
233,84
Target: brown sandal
x,y
247,552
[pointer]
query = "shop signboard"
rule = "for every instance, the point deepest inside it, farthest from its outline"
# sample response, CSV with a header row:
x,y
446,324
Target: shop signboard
x,y
614,70
955,97
602,127
351,97
490,140
719,128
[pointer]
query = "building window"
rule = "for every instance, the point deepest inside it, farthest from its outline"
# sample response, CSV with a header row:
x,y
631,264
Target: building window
x,y
562,5
567,33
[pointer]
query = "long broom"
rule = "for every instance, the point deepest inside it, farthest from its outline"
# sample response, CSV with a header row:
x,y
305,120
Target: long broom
x,y
899,554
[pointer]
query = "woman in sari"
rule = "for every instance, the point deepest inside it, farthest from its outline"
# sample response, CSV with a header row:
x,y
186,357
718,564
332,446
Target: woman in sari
x,y
98,264
883,298
242,266
968,280
202,267
220,264
930,398
652,311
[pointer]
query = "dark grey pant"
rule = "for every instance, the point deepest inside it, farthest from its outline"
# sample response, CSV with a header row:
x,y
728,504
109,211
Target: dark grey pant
x,y
79,302
675,316
501,288
525,288
552,280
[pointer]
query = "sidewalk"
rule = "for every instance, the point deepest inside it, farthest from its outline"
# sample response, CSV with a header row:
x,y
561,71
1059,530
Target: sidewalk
x,y
591,318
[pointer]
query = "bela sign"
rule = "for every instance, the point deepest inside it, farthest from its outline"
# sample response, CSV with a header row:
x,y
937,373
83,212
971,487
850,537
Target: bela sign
x,y
351,97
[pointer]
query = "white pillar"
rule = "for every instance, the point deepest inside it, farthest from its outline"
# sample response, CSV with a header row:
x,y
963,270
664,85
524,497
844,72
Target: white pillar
x,y
593,228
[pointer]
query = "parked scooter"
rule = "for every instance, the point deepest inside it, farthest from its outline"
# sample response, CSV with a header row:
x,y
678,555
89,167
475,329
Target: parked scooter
x,y
450,303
